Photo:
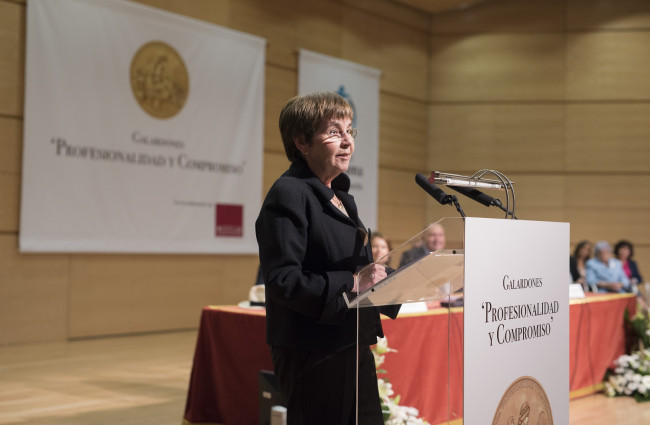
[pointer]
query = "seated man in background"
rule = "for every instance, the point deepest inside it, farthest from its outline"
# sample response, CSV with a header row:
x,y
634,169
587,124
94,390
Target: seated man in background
x,y
605,273
433,239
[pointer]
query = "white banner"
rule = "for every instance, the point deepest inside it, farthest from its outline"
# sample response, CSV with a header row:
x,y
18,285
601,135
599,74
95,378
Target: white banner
x,y
359,85
143,131
516,323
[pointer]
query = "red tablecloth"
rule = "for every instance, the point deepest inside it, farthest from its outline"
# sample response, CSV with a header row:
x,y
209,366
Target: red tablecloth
x,y
231,350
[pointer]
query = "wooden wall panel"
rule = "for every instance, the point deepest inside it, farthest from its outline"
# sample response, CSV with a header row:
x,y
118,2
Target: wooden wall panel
x,y
281,85
10,202
12,58
492,79
33,294
11,145
608,65
502,15
611,224
399,52
10,166
137,293
316,25
609,14
90,295
288,26
403,133
401,205
213,11
391,10
275,163
497,67
538,191
608,137
319,27
503,137
609,191
578,94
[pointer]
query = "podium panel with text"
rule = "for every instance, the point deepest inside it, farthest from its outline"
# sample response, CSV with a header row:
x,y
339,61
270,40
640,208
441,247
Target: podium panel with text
x,y
512,364
516,363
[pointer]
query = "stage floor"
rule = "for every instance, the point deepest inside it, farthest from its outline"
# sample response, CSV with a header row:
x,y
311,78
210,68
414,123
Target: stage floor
x,y
143,380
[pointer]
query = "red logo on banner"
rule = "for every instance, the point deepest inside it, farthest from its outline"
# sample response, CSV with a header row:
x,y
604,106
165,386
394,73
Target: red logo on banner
x,y
229,220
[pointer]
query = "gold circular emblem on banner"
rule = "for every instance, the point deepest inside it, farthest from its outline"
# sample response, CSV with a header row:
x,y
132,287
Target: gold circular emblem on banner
x,y
524,403
159,79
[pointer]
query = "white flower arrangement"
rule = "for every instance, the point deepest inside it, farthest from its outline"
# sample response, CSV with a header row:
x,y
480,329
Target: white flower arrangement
x,y
631,376
394,414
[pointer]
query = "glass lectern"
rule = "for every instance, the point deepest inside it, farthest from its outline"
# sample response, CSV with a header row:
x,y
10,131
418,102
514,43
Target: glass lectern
x,y
419,362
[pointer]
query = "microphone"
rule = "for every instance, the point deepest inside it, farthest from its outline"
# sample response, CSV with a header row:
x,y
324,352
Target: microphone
x,y
477,195
482,198
432,190
448,179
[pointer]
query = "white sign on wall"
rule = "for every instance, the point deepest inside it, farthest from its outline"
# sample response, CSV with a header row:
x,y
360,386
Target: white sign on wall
x,y
516,323
143,131
359,85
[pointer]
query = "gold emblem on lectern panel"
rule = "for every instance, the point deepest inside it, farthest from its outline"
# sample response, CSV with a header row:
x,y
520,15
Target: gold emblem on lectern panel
x,y
159,79
524,403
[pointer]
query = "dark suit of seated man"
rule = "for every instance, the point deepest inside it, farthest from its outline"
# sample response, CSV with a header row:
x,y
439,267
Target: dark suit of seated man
x,y
432,239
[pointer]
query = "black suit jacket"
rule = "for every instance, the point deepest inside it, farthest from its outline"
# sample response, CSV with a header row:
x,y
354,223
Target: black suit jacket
x,y
309,251
635,271
413,255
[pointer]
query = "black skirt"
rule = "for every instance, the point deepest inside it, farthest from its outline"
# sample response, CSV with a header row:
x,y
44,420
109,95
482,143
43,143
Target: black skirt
x,y
319,388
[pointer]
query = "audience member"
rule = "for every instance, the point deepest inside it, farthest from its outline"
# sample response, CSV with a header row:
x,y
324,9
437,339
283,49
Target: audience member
x,y
624,251
604,273
578,262
432,239
381,247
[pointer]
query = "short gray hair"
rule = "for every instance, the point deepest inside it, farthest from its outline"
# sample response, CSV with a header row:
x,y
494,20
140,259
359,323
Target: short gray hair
x,y
602,246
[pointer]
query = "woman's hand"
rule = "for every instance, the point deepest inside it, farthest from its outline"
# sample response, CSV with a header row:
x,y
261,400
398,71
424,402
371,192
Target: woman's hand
x,y
368,277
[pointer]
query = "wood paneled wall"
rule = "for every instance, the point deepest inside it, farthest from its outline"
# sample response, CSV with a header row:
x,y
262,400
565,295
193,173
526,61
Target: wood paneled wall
x,y
551,92
555,94
58,296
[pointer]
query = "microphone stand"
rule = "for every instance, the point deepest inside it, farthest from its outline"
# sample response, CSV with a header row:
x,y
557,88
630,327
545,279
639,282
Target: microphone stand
x,y
507,185
498,204
454,200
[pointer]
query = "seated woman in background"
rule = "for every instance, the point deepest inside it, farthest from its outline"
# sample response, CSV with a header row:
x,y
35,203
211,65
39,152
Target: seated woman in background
x,y
624,251
578,262
381,247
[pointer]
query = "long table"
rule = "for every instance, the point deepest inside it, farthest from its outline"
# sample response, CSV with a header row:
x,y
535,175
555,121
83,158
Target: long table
x,y
231,350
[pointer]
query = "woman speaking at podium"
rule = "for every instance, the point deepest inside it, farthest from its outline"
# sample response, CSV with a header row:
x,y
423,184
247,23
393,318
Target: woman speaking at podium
x,y
312,245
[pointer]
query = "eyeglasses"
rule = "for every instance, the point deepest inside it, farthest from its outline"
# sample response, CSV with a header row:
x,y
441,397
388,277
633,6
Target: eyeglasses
x,y
335,133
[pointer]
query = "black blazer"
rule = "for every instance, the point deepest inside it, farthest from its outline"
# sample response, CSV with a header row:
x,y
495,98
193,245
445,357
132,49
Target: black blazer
x,y
309,251
635,271
573,268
